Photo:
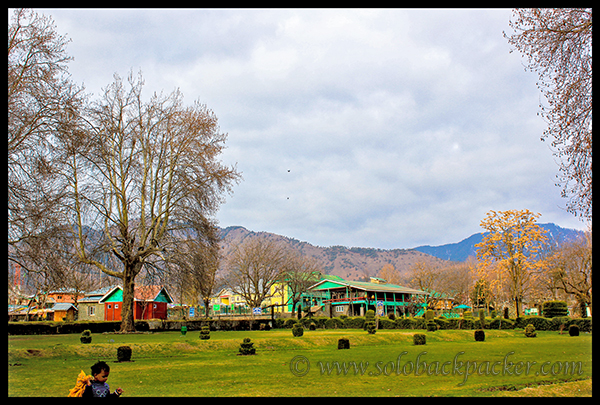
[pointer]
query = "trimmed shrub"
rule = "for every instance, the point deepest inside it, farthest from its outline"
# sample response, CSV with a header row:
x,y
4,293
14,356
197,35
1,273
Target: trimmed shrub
x,y
501,323
386,323
405,323
297,330
442,323
334,323
538,322
481,319
370,316
371,327
419,339
86,337
429,315
357,322
431,326
467,314
479,335
123,353
312,326
343,343
585,324
289,323
551,309
530,331
573,330
205,333
247,348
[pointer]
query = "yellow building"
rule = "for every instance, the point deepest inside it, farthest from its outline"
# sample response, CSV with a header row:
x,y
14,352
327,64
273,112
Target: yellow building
x,y
229,302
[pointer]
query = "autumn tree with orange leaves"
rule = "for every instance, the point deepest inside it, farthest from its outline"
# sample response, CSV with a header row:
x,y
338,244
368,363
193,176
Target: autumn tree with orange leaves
x,y
510,255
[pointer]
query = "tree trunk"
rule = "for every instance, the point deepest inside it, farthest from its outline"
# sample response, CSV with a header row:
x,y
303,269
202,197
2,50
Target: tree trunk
x,y
127,312
206,304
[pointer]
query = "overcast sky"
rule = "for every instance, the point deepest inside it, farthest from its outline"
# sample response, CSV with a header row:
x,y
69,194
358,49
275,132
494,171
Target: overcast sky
x,y
387,128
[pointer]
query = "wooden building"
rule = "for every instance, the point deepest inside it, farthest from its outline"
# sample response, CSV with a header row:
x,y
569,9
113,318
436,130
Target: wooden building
x,y
355,298
149,302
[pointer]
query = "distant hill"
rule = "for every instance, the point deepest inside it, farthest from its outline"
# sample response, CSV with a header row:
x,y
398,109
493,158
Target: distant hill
x,y
465,248
349,263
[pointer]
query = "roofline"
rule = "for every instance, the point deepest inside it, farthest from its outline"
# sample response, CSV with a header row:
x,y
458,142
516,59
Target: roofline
x,y
373,287
135,299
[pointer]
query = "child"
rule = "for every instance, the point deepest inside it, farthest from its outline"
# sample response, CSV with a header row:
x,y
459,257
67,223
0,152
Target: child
x,y
97,386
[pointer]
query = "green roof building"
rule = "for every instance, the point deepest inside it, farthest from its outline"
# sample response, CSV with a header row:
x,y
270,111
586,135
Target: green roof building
x,y
355,298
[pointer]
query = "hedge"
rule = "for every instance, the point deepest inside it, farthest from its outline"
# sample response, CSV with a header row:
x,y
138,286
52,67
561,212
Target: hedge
x,y
321,322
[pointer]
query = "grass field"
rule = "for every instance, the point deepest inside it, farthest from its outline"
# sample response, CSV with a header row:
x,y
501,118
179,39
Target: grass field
x,y
384,364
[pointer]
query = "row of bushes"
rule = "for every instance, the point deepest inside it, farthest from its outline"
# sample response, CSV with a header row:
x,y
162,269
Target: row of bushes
x,y
51,327
358,322
540,323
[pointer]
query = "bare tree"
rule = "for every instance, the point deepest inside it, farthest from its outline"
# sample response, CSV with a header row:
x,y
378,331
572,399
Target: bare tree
x,y
558,45
137,170
255,266
570,269
40,98
298,273
196,260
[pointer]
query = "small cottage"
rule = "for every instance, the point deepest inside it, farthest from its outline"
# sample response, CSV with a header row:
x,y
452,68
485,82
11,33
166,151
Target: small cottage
x,y
90,308
64,311
149,302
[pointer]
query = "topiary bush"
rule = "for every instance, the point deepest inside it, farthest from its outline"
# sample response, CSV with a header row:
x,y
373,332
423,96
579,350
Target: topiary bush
x,y
312,326
431,326
247,348
551,309
419,339
479,335
530,331
370,325
297,330
343,343
573,330
205,333
86,337
123,353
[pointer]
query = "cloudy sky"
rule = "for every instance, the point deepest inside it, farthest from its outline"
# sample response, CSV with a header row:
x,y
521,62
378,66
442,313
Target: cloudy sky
x,y
387,128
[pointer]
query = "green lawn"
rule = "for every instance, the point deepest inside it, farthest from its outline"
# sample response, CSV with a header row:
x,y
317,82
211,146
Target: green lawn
x,y
384,364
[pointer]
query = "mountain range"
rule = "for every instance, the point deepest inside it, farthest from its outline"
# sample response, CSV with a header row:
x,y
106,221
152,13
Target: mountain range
x,y
355,263
460,251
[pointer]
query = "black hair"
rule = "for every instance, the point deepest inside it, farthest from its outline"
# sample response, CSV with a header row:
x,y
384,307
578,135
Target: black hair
x,y
99,366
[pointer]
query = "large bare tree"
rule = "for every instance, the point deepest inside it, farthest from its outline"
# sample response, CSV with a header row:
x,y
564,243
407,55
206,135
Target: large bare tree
x,y
558,45
40,96
136,170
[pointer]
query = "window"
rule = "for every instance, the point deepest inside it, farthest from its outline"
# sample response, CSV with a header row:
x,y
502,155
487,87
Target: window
x,y
116,306
91,310
339,308
109,306
154,306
